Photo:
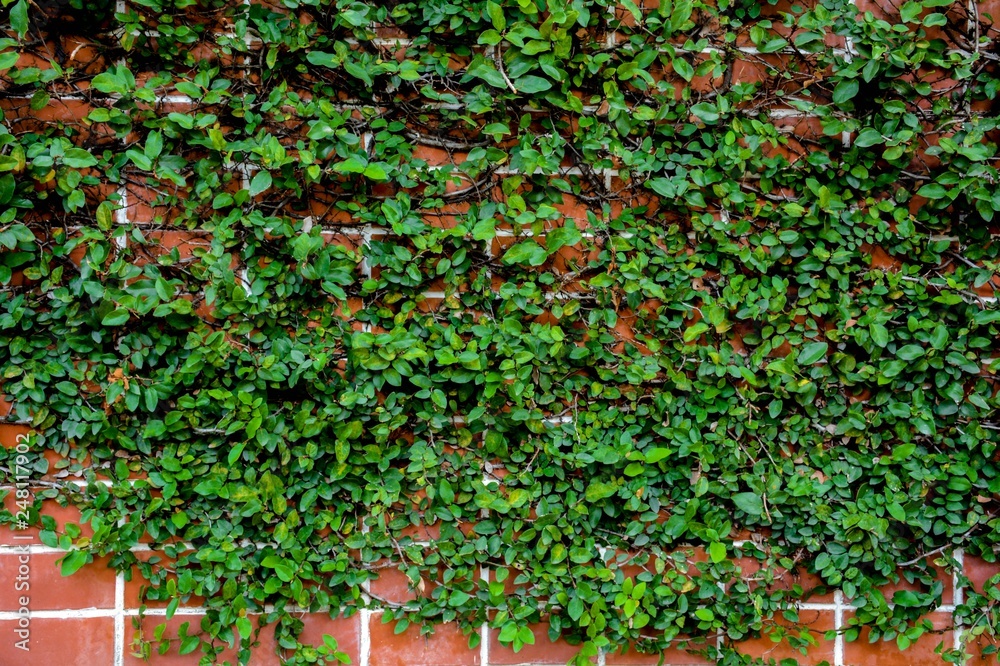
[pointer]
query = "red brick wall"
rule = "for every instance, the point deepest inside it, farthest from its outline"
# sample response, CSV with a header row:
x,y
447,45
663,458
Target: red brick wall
x,y
91,618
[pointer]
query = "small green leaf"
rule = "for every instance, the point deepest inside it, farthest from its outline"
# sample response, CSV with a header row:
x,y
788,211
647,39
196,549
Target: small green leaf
x,y
932,191
812,352
74,561
532,84
375,172
683,68
845,90
910,352
879,334
495,13
695,331
116,317
527,252
707,113
260,183
19,18
599,490
78,158
896,511
749,503
154,145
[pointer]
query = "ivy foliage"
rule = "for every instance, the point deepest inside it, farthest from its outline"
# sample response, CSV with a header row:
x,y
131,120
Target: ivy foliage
x,y
670,316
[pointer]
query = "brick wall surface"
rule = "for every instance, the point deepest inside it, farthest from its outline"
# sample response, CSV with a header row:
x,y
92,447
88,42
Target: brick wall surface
x,y
92,617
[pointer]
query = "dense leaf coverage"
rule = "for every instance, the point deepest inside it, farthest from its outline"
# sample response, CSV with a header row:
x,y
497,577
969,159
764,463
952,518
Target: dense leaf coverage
x,y
581,292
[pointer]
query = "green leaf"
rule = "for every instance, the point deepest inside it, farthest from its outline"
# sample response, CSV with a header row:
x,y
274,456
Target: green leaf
x,y
350,165
932,191
695,331
749,503
19,17
531,84
599,490
154,145
8,60
260,183
868,137
78,158
879,333
717,551
939,337
910,352
116,317
707,113
683,68
74,561
375,172
845,90
527,252
495,13
812,352
445,492
565,236
323,59
984,317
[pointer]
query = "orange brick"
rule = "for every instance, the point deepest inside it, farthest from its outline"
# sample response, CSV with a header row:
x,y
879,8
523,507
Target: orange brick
x,y
544,651
346,631
863,653
93,586
772,645
63,515
979,571
146,630
138,586
671,656
447,646
66,642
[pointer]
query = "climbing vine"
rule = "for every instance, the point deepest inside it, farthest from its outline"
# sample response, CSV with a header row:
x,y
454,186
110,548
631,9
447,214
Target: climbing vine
x,y
670,316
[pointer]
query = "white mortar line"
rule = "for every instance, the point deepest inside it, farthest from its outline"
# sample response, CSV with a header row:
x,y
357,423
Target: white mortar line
x,y
30,549
119,618
365,614
162,612
958,597
78,614
484,646
838,625
120,612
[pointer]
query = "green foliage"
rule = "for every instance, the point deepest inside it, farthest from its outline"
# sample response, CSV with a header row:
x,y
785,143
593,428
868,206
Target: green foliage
x,y
578,292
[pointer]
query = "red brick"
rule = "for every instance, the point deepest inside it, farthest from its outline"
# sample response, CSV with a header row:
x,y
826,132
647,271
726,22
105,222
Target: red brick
x,y
62,642
978,571
394,586
947,593
883,653
771,645
346,631
786,580
544,651
670,656
63,515
137,586
447,646
93,586
146,630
